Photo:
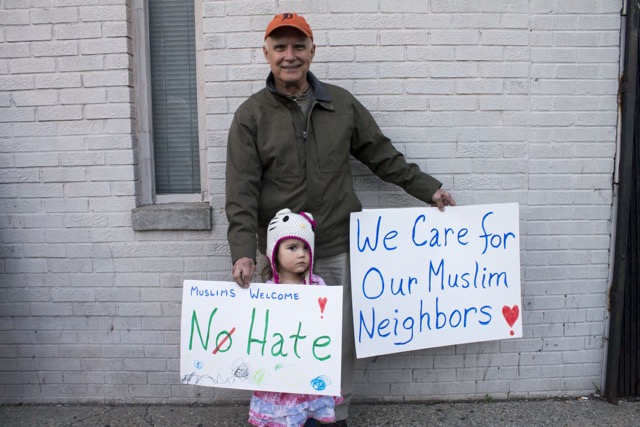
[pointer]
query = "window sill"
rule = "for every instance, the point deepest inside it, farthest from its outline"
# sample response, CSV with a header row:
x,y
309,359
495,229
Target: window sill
x,y
172,216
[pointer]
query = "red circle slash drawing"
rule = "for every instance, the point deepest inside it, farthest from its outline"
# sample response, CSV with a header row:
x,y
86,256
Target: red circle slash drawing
x,y
224,340
511,315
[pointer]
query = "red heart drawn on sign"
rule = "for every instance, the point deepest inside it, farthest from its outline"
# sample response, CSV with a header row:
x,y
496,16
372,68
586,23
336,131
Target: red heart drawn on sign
x,y
323,302
511,314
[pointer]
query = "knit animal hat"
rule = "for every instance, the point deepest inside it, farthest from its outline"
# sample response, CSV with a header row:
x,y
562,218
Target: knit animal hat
x,y
288,225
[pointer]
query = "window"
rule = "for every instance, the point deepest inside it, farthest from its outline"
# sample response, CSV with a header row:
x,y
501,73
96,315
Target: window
x,y
174,96
170,139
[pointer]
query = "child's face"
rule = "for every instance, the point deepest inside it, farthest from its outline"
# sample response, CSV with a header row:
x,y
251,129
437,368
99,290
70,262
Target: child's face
x,y
293,257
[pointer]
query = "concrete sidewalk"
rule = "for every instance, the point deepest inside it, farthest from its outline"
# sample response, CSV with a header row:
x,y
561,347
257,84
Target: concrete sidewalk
x,y
557,413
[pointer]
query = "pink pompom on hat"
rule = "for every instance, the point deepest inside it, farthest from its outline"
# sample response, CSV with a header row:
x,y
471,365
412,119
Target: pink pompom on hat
x,y
289,225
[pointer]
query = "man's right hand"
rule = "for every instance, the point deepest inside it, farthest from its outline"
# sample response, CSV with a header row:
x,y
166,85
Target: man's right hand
x,y
243,270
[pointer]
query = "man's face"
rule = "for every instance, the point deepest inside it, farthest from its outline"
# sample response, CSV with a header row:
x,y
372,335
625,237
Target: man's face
x,y
289,54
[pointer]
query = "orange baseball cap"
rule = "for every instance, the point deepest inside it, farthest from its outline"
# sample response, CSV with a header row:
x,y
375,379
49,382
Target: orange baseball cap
x,y
289,20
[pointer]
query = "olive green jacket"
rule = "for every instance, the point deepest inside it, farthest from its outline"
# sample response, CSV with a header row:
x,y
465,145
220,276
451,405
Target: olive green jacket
x,y
266,170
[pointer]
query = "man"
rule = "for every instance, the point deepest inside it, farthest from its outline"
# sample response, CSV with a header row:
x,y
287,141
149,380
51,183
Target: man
x,y
289,147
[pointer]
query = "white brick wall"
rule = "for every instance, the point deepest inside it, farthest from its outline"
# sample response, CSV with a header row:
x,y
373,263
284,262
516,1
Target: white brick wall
x,y
502,100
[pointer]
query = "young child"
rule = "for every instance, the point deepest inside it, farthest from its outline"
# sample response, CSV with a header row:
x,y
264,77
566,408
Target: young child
x,y
290,240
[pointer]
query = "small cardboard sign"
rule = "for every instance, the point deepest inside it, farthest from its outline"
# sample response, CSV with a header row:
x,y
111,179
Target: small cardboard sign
x,y
282,338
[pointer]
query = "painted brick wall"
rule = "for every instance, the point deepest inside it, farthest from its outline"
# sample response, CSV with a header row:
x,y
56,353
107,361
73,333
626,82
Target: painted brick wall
x,y
502,100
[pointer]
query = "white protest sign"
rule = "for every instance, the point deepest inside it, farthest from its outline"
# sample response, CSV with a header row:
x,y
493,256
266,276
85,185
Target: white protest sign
x,y
282,338
422,278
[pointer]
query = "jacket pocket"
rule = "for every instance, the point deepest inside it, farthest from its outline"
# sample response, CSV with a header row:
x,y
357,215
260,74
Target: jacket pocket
x,y
277,148
332,139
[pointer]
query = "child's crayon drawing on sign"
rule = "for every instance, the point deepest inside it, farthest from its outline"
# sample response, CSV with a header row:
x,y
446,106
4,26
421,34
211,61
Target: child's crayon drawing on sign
x,y
283,338
422,278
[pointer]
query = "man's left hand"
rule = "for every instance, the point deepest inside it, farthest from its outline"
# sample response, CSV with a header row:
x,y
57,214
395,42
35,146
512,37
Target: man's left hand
x,y
441,199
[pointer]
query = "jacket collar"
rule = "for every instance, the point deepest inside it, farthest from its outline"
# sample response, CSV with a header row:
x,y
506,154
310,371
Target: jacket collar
x,y
319,91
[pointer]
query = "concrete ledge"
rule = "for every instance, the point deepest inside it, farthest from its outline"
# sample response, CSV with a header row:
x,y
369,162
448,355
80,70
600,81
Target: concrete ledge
x,y
172,216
